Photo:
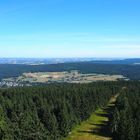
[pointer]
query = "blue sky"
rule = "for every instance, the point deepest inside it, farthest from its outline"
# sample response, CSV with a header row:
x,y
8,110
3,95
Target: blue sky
x,y
69,28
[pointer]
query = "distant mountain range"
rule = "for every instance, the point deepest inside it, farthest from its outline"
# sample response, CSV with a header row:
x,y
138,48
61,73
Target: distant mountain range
x,y
41,61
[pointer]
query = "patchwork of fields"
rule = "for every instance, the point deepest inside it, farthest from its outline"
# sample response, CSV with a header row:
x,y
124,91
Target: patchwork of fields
x,y
68,77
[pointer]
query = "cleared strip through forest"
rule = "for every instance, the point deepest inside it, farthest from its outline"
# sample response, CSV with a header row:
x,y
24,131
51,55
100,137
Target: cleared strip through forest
x,y
96,127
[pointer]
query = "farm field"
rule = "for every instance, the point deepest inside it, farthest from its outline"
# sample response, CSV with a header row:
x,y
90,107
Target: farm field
x,y
68,77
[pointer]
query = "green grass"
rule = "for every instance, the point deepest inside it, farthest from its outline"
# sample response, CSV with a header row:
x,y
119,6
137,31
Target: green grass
x,y
87,129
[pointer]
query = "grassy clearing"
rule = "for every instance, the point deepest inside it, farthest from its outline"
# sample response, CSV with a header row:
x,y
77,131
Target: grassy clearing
x,y
90,129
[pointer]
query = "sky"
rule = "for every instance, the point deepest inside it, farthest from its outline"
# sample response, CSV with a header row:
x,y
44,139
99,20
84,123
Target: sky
x,y
70,28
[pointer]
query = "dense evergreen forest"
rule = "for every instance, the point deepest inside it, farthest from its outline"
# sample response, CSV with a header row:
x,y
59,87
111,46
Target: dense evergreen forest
x,y
126,116
128,70
49,112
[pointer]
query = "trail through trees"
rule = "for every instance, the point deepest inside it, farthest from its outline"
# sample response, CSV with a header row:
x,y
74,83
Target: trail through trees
x,y
97,126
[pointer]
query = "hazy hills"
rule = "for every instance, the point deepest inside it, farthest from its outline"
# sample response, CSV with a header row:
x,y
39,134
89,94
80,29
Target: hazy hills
x,y
39,61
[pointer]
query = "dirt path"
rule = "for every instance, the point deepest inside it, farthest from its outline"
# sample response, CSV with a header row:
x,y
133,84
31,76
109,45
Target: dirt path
x,y
96,127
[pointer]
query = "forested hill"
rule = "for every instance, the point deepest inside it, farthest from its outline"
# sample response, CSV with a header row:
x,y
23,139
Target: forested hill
x,y
130,71
50,112
134,61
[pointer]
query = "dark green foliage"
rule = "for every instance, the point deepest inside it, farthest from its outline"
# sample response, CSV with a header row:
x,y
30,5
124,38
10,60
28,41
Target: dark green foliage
x,y
49,112
126,116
